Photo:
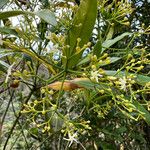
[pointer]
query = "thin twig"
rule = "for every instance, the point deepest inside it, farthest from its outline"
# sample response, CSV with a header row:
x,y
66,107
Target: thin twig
x,y
11,97
16,121
21,129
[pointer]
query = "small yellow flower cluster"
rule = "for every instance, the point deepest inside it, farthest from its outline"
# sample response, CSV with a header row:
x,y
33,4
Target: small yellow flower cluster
x,y
137,64
122,83
96,72
39,109
23,75
119,10
56,39
103,110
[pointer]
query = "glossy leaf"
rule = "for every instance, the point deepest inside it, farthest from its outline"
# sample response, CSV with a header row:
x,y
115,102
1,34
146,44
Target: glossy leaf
x,y
108,43
66,86
6,30
2,69
88,84
84,61
85,83
82,27
110,33
97,49
141,79
73,60
3,3
87,60
5,54
7,14
146,114
76,83
45,14
4,64
16,48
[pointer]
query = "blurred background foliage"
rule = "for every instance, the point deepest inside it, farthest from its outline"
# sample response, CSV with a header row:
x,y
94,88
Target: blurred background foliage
x,y
74,74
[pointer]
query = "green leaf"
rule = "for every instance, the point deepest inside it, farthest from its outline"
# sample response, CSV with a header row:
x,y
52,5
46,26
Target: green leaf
x,y
108,43
146,114
34,131
141,79
47,16
84,61
6,30
88,84
16,48
2,63
87,60
2,69
3,50
3,2
7,14
73,60
97,49
107,146
82,27
5,54
16,32
110,33
121,129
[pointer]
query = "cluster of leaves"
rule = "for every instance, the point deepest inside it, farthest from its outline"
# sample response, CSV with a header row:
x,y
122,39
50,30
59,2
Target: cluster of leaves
x,y
71,76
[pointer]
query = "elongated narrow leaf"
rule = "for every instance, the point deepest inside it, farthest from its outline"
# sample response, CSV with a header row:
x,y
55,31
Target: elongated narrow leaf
x,y
7,14
2,69
97,49
6,30
73,60
45,14
108,43
6,54
88,84
146,114
16,48
87,60
66,86
82,27
3,3
4,51
4,64
76,83
141,79
84,61
110,33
